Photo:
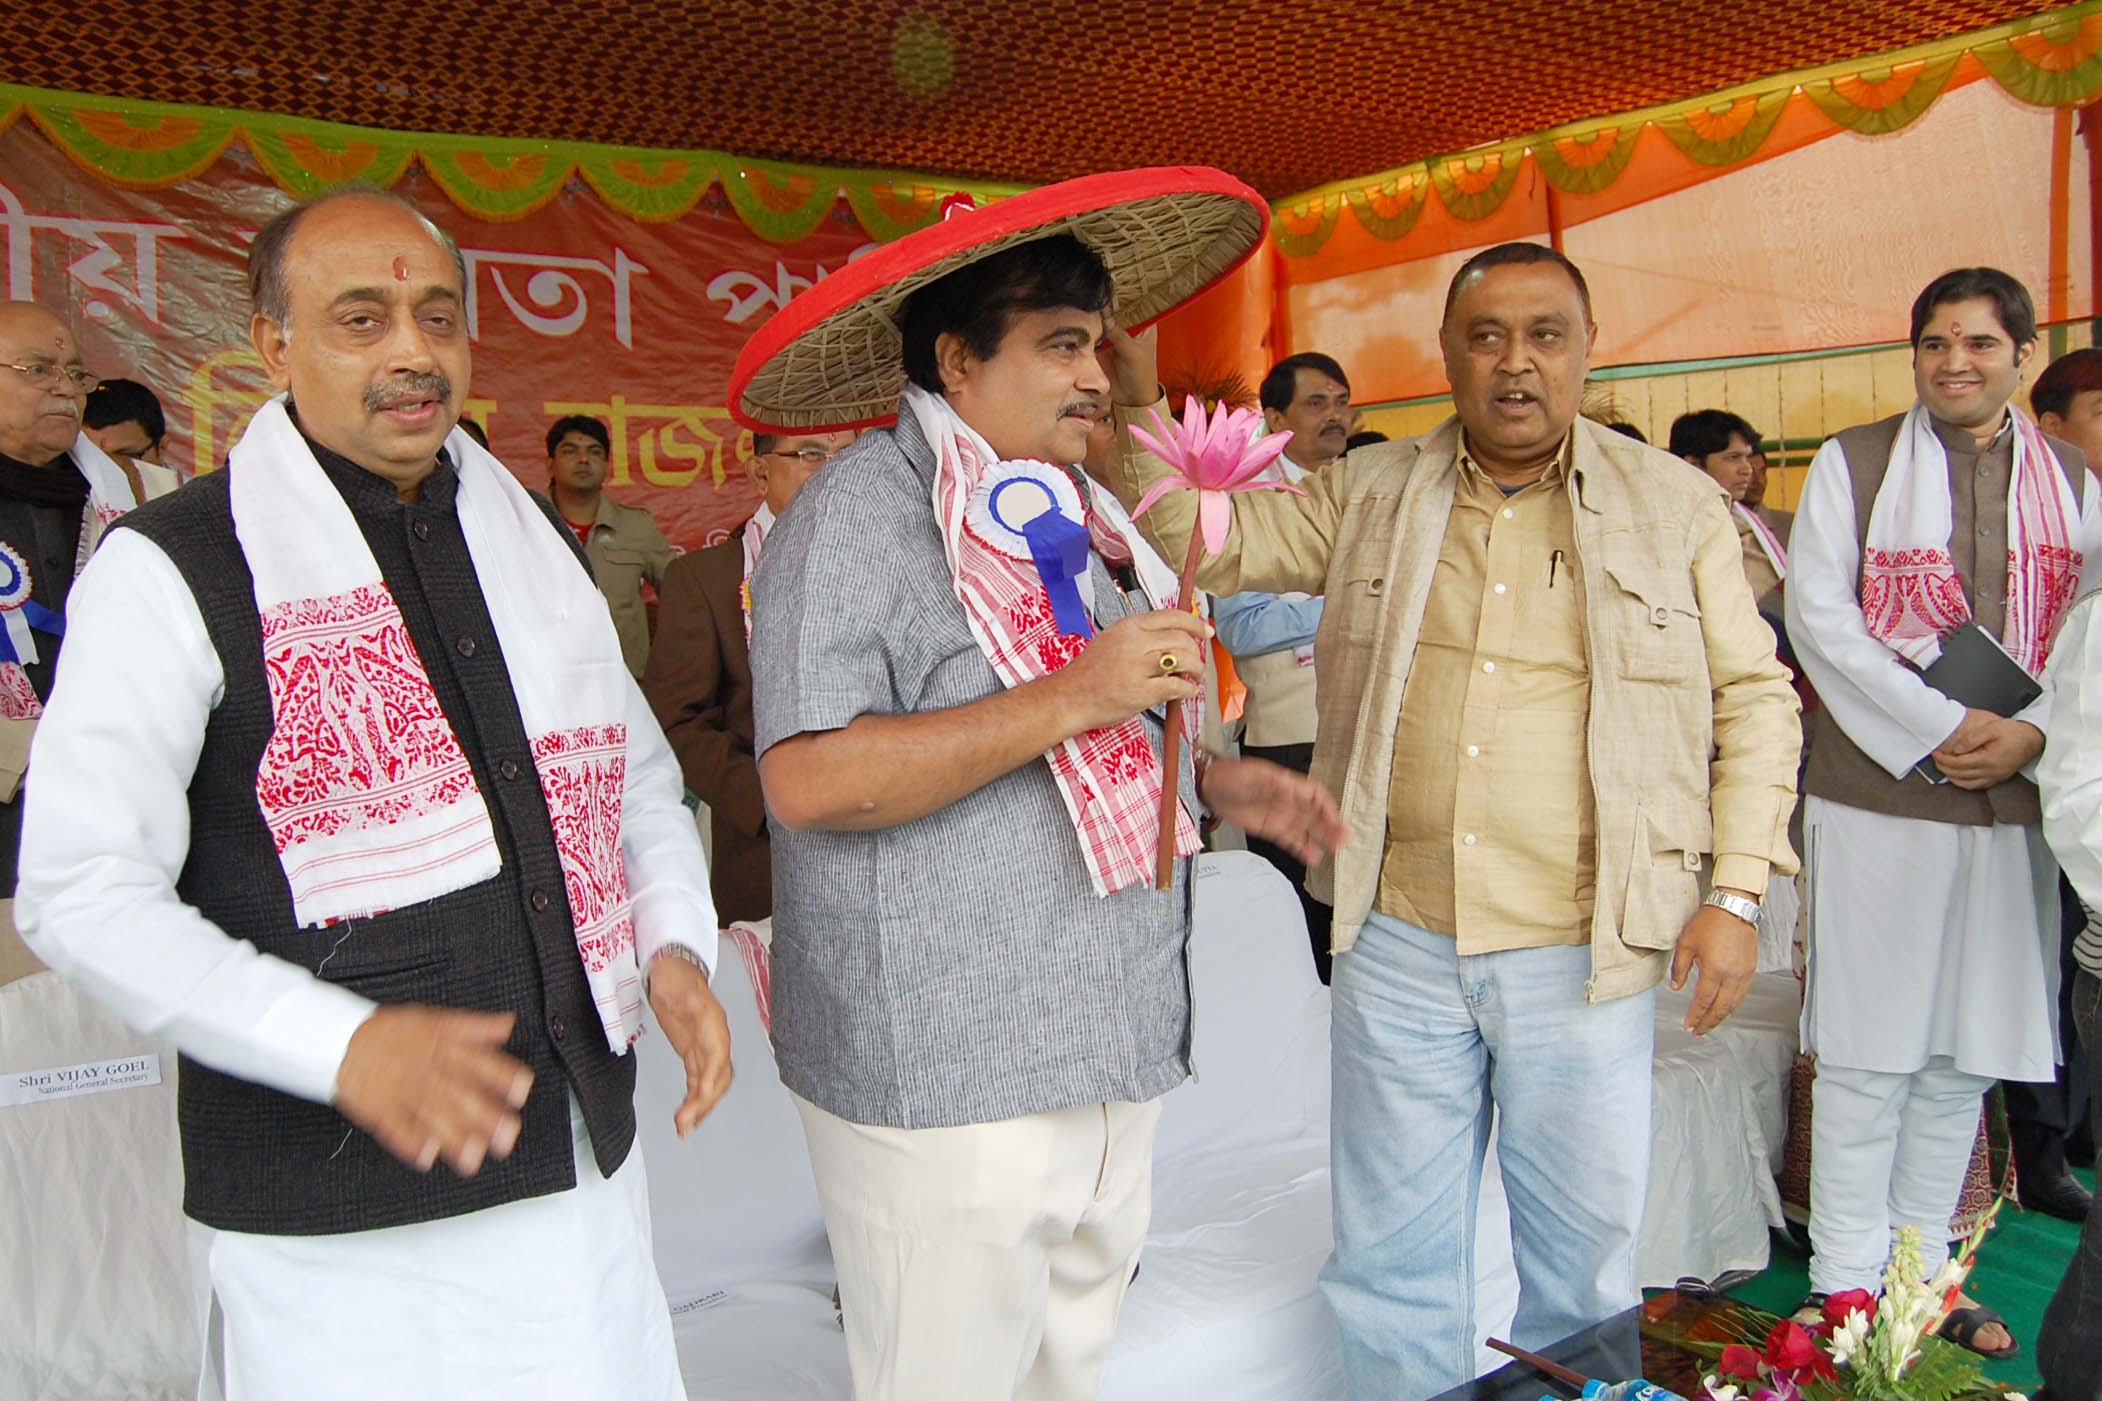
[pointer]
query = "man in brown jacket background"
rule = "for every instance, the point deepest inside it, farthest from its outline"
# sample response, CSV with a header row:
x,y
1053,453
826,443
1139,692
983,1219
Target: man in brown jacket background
x,y
699,678
1546,697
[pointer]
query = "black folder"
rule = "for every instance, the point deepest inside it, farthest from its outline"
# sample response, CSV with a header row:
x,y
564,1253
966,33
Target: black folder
x,y
1975,669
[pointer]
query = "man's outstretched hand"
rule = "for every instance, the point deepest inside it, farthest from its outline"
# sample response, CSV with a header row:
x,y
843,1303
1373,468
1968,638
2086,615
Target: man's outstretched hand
x,y
1272,802
434,1082
694,1024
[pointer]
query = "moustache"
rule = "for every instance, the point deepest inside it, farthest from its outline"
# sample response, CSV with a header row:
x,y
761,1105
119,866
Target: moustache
x,y
408,389
1093,410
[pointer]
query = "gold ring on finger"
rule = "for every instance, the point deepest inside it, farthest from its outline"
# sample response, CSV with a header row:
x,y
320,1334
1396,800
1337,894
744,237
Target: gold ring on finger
x,y
1168,663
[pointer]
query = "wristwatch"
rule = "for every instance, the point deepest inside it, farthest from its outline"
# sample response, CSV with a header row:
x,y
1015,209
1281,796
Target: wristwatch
x,y
1730,902
1202,759
678,951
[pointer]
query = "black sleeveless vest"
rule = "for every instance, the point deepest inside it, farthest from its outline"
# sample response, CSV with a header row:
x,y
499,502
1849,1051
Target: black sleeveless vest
x,y
261,1161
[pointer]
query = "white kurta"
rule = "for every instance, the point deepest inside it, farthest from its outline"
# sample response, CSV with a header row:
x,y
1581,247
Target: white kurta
x,y
552,1297
1926,938
1930,939
2070,773
107,831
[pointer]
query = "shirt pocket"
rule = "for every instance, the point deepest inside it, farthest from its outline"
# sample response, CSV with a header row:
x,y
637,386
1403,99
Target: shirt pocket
x,y
1664,874
1656,623
619,569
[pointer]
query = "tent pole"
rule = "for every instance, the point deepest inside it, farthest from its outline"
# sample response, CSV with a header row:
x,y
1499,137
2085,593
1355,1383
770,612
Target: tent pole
x,y
2091,133
2060,234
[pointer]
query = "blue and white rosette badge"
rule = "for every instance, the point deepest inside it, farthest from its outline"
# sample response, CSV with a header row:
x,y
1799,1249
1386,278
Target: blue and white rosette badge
x,y
21,613
1031,511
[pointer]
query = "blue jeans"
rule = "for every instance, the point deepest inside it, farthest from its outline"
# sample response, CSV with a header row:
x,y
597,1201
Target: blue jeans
x,y
1427,1045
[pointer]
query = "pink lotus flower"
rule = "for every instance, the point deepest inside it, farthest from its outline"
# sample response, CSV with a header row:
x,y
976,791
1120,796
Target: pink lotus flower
x,y
1215,459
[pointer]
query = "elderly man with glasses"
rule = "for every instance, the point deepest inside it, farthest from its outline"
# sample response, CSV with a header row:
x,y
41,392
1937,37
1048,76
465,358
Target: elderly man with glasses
x,y
699,678
57,493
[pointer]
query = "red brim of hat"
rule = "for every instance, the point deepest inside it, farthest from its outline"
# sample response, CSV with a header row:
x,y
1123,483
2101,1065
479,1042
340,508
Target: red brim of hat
x,y
833,357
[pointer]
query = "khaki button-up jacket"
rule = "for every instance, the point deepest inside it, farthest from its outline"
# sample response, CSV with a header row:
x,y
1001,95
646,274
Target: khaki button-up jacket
x,y
1693,733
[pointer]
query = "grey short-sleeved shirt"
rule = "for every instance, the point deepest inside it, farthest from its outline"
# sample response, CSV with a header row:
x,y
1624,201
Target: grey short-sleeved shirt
x,y
960,968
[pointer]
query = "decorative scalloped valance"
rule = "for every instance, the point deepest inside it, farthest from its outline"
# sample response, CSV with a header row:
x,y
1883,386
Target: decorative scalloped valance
x,y
151,144
2054,59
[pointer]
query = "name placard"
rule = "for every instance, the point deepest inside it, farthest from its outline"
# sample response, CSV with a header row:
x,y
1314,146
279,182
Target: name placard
x,y
66,1081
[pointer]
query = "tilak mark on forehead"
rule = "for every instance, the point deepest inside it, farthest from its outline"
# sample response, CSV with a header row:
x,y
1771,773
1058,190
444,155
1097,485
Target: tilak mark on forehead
x,y
401,269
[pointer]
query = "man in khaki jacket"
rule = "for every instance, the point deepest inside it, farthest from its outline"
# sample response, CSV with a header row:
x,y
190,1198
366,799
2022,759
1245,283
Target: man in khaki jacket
x,y
1549,709
622,542
1271,636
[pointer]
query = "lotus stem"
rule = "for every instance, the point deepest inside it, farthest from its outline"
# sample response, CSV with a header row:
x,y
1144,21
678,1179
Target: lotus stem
x,y
1171,742
1540,1364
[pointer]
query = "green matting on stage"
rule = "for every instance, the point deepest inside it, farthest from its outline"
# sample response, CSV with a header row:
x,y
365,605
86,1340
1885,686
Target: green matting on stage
x,y
2018,1270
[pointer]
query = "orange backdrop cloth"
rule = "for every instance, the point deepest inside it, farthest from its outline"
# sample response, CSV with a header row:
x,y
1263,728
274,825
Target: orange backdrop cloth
x,y
573,308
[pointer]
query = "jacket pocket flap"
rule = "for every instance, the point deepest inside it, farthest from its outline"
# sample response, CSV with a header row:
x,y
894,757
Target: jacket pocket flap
x,y
1664,883
1661,591
1674,829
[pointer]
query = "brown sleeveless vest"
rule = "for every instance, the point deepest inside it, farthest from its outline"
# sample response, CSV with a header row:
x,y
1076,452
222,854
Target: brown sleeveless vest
x,y
1838,769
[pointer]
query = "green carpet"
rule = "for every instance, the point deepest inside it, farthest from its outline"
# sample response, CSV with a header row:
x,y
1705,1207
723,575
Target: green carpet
x,y
2018,1271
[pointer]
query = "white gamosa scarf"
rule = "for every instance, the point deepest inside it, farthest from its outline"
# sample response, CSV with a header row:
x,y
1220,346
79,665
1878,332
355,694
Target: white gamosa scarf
x,y
368,795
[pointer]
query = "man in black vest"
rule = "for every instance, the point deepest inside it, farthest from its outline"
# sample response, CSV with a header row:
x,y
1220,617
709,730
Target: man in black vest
x,y
46,507
404,975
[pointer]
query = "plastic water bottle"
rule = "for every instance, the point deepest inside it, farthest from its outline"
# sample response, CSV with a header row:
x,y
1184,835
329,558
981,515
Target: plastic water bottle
x,y
1637,1390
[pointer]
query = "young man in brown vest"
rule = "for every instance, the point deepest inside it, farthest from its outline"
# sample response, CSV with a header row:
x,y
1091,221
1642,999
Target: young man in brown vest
x,y
1933,904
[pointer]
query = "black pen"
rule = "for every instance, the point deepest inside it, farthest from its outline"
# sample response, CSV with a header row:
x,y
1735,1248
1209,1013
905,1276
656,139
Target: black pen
x,y
1553,562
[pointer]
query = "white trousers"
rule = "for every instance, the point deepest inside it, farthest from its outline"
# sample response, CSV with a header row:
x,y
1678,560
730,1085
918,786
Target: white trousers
x,y
1886,1151
985,1261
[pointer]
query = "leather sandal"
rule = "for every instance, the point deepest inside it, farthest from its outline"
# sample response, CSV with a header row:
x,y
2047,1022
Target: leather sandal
x,y
1963,1326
